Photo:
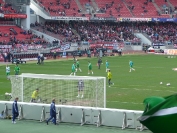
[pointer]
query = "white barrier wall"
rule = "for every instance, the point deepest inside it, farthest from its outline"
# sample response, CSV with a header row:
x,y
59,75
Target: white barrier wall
x,y
76,114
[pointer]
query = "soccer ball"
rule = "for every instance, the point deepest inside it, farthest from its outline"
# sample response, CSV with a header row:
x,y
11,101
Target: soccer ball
x,y
168,84
161,83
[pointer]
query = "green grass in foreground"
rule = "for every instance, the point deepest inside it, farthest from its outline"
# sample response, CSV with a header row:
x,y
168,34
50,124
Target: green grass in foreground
x,y
129,90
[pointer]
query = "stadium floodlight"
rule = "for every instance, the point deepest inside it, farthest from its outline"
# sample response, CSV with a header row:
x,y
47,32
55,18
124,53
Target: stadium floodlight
x,y
63,88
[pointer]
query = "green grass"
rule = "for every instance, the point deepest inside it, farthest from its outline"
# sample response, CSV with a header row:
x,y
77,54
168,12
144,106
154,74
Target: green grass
x,y
129,90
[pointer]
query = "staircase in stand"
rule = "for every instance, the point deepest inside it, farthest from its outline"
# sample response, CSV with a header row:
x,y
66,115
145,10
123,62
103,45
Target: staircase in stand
x,y
128,8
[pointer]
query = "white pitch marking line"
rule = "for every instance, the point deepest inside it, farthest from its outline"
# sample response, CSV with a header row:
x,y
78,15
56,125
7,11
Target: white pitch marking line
x,y
135,85
147,89
138,67
152,86
124,102
168,87
156,67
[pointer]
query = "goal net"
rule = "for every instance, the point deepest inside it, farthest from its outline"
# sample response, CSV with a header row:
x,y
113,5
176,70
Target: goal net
x,y
61,87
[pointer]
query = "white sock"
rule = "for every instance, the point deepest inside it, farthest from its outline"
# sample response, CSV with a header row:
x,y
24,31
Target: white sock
x,y
74,74
92,72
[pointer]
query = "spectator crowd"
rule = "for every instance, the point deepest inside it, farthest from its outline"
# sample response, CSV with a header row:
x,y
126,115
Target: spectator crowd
x,y
111,31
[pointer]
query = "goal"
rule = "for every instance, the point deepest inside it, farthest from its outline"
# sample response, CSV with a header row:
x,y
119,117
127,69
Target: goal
x,y
63,88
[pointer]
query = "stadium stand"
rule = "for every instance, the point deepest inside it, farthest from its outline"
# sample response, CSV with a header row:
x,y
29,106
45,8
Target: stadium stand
x,y
103,31
6,8
164,7
9,33
61,7
106,8
143,8
90,31
110,8
173,2
60,30
159,32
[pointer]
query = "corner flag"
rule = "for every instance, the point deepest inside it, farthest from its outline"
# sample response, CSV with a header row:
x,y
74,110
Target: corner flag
x,y
160,115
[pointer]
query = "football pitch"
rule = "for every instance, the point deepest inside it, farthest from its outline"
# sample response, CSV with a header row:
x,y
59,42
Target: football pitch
x,y
129,89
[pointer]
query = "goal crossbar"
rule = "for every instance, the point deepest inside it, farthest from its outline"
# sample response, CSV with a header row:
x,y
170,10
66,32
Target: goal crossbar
x,y
50,76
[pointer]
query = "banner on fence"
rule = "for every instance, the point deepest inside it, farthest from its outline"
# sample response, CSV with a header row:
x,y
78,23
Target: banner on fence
x,y
99,45
133,19
158,44
103,19
108,45
65,47
15,16
170,51
69,18
164,19
5,46
55,50
62,48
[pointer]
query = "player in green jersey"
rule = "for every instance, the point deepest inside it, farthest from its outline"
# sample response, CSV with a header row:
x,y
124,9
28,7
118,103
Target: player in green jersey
x,y
73,69
107,66
17,69
131,66
89,68
77,66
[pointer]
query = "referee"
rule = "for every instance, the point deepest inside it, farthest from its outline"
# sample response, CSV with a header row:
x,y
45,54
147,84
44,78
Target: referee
x,y
99,63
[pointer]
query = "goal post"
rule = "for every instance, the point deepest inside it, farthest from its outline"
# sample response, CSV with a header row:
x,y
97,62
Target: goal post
x,y
63,88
